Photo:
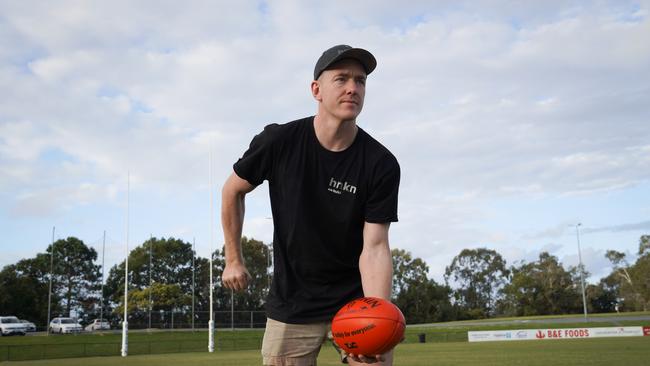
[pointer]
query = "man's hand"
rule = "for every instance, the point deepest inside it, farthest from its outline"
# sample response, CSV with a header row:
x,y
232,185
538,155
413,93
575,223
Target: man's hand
x,y
235,276
365,359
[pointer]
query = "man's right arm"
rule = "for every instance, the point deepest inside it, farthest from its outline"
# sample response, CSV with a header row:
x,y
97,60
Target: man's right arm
x,y
235,275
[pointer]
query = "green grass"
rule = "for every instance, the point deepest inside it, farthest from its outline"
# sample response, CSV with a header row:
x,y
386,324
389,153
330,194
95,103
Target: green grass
x,y
134,336
84,345
611,351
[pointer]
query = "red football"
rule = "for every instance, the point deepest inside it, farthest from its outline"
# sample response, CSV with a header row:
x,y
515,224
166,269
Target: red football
x,y
368,326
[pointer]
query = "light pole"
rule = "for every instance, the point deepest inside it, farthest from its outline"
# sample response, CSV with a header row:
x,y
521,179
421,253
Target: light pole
x,y
581,269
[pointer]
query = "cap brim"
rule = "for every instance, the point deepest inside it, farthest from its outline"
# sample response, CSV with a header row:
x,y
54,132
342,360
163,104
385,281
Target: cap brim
x,y
364,57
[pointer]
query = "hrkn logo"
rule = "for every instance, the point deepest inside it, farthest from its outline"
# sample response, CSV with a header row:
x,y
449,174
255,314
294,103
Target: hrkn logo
x,y
340,187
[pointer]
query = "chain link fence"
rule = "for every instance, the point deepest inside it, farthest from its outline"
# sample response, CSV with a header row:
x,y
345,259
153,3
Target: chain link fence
x,y
170,320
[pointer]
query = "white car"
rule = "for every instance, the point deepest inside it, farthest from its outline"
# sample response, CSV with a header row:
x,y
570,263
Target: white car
x,y
29,326
65,325
98,324
10,325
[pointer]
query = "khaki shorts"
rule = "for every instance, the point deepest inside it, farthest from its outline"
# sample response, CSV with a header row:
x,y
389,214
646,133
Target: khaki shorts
x,y
294,344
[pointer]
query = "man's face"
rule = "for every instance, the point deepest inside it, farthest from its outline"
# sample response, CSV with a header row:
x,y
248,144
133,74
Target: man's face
x,y
341,90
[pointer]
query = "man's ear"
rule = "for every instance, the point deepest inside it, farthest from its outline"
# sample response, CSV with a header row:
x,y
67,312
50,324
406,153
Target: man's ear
x,y
315,90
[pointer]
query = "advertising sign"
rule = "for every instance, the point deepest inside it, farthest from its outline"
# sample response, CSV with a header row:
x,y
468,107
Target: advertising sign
x,y
568,333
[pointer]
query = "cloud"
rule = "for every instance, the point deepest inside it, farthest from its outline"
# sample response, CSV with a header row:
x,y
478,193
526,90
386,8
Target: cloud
x,y
542,138
480,102
636,226
594,262
563,228
14,134
50,201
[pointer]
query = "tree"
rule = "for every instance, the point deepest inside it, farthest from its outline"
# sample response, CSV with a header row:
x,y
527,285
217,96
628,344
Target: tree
x,y
477,275
202,284
421,299
76,276
407,271
24,289
641,273
601,298
165,297
171,263
75,281
632,282
540,288
620,265
644,245
256,258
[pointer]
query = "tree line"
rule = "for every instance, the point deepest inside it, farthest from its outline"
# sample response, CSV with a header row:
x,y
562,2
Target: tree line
x,y
165,272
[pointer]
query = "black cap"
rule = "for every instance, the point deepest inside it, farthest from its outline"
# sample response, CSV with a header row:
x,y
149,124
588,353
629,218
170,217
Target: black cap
x,y
340,52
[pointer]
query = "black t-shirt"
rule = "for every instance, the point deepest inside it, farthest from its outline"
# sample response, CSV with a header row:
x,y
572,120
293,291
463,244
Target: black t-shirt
x,y
320,200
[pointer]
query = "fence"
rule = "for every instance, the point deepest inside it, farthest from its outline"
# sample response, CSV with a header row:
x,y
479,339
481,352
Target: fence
x,y
95,349
183,320
418,335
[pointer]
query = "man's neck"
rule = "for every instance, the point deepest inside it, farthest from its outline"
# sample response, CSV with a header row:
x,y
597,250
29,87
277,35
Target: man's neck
x,y
335,135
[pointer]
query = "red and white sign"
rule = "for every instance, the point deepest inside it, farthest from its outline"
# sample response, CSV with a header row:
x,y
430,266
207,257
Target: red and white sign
x,y
569,333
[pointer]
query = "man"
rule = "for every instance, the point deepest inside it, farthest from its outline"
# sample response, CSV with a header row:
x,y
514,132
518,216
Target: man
x,y
333,191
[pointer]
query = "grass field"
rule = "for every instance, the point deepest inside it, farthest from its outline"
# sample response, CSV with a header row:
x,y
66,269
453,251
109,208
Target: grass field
x,y
612,351
83,345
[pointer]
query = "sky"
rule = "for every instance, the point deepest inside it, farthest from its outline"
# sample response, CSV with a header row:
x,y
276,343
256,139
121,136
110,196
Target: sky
x,y
512,121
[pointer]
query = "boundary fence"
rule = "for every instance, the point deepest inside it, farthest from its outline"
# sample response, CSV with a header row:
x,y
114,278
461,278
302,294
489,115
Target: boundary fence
x,y
183,320
94,349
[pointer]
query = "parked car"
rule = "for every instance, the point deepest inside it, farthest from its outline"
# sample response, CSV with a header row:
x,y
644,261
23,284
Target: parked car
x,y
65,325
29,326
10,325
98,324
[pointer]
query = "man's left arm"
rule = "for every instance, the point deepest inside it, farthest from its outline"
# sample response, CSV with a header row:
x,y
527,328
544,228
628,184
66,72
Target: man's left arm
x,y
376,267
376,262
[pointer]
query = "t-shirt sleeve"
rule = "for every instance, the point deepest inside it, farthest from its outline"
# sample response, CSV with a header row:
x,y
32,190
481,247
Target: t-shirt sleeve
x,y
256,164
382,199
